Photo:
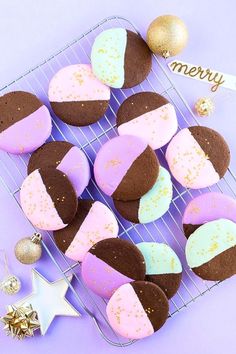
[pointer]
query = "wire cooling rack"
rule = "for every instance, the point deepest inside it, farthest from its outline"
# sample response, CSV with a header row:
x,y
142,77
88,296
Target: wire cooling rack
x,y
168,229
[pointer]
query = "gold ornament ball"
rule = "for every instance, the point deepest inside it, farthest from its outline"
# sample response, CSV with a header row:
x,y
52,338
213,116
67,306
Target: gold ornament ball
x,y
204,106
29,249
10,285
167,35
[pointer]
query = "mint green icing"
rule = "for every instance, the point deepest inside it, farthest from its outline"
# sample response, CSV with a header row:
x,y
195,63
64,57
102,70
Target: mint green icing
x,y
155,203
159,258
209,240
108,56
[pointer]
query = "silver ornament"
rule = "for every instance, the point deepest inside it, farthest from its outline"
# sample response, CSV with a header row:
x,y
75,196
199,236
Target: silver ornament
x,y
10,285
29,249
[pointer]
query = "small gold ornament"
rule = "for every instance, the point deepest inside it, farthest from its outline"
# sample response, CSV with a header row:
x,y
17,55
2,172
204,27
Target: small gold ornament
x,y
11,284
29,249
20,322
167,35
204,106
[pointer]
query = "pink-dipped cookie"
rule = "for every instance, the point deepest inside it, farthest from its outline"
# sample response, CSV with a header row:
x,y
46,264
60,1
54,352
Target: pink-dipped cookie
x,y
126,168
198,157
93,222
111,263
137,310
208,207
67,158
149,116
77,96
25,122
48,199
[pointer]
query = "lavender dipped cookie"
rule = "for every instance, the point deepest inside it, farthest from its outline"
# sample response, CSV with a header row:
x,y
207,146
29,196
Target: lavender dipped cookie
x,y
126,168
208,207
211,250
163,266
152,205
137,310
25,122
48,199
149,116
77,97
120,58
67,158
92,223
111,263
198,157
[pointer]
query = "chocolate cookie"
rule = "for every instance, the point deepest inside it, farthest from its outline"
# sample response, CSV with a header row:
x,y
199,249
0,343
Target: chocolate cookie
x,y
152,205
208,207
93,222
67,158
25,122
149,116
48,199
77,96
163,266
137,310
211,250
111,263
126,168
198,157
120,58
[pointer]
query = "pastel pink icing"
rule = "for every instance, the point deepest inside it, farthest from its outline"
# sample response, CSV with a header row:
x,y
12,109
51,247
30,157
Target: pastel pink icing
x,y
38,205
157,127
189,163
99,224
114,159
209,207
100,277
27,134
126,314
77,83
75,165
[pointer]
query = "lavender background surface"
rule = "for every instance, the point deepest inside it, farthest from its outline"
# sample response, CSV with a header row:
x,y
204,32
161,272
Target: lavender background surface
x,y
30,32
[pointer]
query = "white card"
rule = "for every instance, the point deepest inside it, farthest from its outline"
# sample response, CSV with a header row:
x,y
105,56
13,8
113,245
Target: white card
x,y
197,72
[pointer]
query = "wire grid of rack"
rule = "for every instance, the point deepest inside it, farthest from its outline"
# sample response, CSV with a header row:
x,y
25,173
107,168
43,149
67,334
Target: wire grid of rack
x,y
168,229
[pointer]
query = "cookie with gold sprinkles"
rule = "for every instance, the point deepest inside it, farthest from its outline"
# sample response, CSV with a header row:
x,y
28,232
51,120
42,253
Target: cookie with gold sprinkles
x,y
149,116
111,263
67,158
208,207
198,157
163,266
120,58
77,97
211,250
137,310
126,167
93,222
48,199
25,122
152,205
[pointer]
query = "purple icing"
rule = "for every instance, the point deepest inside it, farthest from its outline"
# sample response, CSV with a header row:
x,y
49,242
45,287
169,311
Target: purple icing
x,y
28,134
75,165
102,279
208,207
114,159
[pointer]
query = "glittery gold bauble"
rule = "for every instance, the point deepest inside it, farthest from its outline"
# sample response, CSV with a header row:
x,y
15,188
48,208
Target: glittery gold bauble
x,y
29,249
204,106
167,35
20,322
10,285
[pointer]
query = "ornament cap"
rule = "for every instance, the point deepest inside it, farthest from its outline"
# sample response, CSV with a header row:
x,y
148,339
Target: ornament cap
x,y
36,238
